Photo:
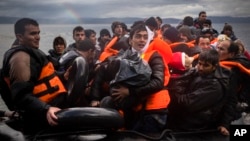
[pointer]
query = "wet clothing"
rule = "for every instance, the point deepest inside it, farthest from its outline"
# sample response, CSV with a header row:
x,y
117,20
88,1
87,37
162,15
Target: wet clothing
x,y
145,95
67,59
79,77
200,102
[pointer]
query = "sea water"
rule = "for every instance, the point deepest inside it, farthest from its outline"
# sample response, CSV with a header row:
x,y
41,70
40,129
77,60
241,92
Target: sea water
x,y
50,31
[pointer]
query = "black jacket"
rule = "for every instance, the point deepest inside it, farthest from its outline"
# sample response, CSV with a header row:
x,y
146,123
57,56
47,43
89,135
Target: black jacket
x,y
105,74
200,102
240,82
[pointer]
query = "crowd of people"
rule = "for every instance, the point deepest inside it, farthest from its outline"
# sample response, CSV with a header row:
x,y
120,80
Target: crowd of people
x,y
197,77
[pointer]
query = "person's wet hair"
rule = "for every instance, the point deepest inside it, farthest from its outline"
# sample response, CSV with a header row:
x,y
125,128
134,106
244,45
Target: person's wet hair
x,y
202,12
114,25
151,22
20,25
59,41
197,40
136,23
104,32
85,45
137,28
172,34
78,29
233,48
227,27
88,32
188,20
209,56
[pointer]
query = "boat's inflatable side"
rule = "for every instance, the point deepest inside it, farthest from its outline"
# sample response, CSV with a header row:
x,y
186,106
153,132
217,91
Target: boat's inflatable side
x,y
90,117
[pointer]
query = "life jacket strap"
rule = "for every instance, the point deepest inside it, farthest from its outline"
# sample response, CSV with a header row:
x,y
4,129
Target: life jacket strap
x,y
46,79
50,90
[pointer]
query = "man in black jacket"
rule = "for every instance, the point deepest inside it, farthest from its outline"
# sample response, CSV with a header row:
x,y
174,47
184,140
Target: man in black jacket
x,y
240,66
200,97
144,106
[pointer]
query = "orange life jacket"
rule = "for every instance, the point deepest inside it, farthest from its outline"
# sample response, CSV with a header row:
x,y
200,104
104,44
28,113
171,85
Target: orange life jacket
x,y
48,85
165,51
108,51
230,64
159,99
243,69
189,44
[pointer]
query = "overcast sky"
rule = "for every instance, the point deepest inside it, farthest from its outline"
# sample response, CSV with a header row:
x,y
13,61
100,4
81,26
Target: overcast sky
x,y
122,8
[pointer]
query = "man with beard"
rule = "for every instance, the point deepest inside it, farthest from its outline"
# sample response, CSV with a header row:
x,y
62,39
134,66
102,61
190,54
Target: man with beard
x,y
199,98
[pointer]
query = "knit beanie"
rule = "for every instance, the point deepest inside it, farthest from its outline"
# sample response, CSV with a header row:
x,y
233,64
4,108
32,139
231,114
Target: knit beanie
x,y
172,34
